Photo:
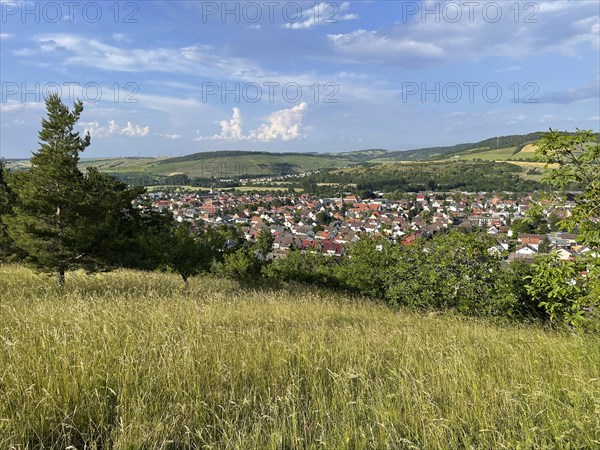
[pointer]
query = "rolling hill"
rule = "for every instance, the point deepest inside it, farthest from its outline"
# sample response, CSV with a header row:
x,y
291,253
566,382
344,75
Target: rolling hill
x,y
229,164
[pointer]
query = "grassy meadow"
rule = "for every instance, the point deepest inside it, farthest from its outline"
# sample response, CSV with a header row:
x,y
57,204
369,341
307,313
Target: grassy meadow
x,y
127,360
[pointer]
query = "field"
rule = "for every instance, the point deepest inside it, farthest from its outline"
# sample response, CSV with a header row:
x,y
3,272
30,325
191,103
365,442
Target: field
x,y
128,360
501,154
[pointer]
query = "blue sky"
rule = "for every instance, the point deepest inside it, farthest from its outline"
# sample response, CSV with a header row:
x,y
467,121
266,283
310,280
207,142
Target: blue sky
x,y
178,77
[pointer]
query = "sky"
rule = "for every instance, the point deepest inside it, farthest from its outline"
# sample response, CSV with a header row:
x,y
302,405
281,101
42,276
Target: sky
x,y
169,78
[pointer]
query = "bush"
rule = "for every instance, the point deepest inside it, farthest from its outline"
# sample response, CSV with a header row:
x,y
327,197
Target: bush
x,y
367,268
305,268
240,265
560,289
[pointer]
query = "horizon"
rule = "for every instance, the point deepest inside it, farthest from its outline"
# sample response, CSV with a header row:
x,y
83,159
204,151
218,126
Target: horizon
x,y
158,155
179,78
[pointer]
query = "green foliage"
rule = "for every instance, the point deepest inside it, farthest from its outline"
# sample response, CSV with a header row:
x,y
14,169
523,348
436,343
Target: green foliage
x,y
460,175
311,268
241,265
559,288
520,226
577,157
7,200
166,245
264,243
367,267
456,271
451,271
63,220
185,252
323,218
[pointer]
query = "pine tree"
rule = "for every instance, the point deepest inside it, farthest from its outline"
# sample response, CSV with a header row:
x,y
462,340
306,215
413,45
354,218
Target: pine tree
x,y
64,220
7,199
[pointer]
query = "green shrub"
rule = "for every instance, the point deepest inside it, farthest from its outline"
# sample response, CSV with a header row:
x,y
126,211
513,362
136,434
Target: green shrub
x,y
560,289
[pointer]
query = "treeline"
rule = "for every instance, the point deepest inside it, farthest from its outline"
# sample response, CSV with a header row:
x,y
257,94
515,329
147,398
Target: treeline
x,y
447,176
150,179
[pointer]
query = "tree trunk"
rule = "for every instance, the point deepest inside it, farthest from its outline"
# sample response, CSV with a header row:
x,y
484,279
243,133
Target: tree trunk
x,y
60,278
186,283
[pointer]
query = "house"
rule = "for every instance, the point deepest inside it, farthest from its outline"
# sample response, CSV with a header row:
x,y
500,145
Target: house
x,y
530,239
332,249
493,230
523,253
564,254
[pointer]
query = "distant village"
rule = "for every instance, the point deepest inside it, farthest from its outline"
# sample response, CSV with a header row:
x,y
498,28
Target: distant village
x,y
329,225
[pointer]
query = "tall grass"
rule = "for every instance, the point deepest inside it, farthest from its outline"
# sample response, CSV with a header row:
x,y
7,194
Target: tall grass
x,y
128,361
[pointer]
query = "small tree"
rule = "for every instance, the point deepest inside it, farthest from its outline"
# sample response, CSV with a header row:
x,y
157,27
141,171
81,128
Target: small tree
x,y
575,159
560,288
264,243
186,253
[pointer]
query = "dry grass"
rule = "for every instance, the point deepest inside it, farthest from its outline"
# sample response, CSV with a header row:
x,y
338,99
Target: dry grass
x,y
127,361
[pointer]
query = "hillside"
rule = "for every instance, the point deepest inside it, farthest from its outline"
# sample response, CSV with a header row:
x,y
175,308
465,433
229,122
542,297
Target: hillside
x,y
435,175
126,360
489,144
247,164
241,164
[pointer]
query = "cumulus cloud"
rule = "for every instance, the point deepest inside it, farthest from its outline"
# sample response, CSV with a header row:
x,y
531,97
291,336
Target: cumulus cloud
x,y
322,13
282,125
135,130
113,128
232,129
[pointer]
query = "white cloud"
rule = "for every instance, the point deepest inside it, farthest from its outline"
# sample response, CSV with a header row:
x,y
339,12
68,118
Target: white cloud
x,y
323,13
6,36
374,47
231,130
282,125
122,37
565,28
14,106
135,130
197,59
94,53
112,128
171,136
